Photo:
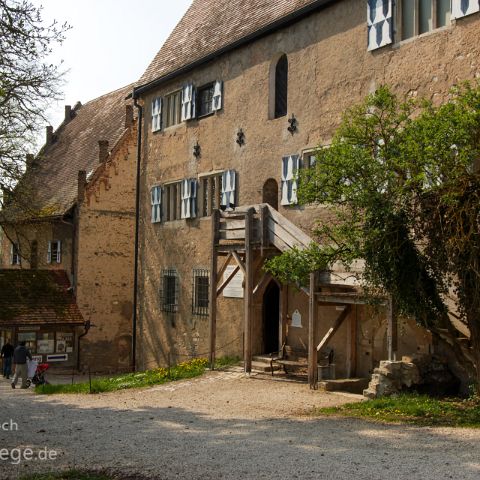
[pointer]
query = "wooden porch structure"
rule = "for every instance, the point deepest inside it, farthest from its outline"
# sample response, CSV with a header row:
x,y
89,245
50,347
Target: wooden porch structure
x,y
246,237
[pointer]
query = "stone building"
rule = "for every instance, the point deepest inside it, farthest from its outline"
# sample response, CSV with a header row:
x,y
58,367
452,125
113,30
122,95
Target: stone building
x,y
74,213
234,103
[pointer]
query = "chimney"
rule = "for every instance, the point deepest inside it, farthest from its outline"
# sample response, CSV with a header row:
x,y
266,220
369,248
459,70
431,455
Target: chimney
x,y
128,116
68,113
102,150
49,135
29,160
82,181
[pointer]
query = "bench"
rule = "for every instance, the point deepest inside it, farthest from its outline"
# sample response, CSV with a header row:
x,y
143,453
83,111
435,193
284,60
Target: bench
x,y
287,357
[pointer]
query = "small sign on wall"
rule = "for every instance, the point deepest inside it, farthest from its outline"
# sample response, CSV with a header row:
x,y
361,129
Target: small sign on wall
x,y
296,319
37,358
63,357
235,287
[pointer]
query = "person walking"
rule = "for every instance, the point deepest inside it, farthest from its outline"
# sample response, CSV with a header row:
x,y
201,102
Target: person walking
x,y
7,355
20,355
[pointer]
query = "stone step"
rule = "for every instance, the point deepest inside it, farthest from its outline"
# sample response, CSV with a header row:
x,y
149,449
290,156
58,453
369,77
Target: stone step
x,y
261,359
350,385
263,367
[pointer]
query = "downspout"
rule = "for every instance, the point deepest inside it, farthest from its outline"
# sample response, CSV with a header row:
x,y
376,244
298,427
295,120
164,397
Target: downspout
x,y
137,227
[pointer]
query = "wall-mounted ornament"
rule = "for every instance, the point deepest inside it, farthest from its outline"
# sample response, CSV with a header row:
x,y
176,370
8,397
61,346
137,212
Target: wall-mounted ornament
x,y
240,137
293,124
197,151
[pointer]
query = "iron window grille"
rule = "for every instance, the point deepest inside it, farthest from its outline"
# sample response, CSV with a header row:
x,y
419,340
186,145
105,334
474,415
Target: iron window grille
x,y
201,285
169,291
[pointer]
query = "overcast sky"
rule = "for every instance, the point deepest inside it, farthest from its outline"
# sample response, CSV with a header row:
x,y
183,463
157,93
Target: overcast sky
x,y
110,44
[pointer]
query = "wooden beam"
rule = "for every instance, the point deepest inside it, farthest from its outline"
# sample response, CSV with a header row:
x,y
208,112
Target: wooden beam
x,y
342,299
212,301
239,262
352,345
333,329
221,288
283,315
264,281
248,291
263,228
312,327
224,267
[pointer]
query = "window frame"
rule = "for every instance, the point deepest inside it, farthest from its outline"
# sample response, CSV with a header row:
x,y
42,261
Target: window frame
x,y
15,257
200,293
57,256
398,20
168,110
207,86
169,300
280,111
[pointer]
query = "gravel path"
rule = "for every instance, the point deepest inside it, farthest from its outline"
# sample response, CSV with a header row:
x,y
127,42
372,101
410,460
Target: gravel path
x,y
226,426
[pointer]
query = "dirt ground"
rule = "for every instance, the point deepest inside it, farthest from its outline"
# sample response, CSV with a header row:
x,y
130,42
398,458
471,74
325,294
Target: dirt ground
x,y
222,426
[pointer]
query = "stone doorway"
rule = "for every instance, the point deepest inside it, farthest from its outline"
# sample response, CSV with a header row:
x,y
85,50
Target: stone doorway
x,y
270,193
271,318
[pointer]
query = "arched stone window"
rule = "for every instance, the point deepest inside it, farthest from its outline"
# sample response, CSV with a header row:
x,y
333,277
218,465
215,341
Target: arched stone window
x,y
281,87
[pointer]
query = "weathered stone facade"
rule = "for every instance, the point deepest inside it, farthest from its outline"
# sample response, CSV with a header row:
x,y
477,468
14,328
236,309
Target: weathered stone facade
x,y
329,70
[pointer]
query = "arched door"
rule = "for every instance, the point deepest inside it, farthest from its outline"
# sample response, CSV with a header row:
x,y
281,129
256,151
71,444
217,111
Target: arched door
x,y
270,193
271,318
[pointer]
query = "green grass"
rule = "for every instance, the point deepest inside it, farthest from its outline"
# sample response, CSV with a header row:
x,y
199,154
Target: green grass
x,y
413,409
190,369
70,475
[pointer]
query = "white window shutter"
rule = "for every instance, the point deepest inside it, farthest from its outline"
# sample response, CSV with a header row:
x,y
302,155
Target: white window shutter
x,y
217,96
188,102
228,190
59,252
290,166
49,253
379,23
295,168
156,202
11,253
462,8
156,114
189,198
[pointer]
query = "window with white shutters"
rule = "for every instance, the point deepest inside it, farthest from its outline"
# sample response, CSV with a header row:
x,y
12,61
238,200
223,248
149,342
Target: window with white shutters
x,y
227,199
290,167
54,254
379,23
189,198
188,102
156,202
217,96
156,114
172,109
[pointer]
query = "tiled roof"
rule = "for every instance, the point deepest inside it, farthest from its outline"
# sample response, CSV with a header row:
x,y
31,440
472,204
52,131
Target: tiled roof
x,y
50,185
32,297
211,25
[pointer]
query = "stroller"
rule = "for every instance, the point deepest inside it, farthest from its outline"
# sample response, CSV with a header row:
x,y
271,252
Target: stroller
x,y
36,373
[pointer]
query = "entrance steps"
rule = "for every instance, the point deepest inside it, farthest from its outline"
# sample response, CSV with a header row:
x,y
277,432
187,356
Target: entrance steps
x,y
350,385
261,363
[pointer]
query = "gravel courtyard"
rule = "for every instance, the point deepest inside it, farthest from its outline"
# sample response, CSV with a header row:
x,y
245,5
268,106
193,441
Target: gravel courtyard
x,y
225,426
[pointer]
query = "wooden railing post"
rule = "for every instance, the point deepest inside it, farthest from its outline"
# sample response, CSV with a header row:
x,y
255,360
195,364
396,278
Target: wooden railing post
x,y
248,291
212,301
312,327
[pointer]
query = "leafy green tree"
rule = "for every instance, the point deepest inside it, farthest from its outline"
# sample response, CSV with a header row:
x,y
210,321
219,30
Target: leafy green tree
x,y
28,83
402,179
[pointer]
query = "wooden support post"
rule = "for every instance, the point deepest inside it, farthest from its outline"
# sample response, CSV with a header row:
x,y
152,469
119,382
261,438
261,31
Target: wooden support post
x,y
213,288
210,203
352,344
312,327
217,187
248,291
263,228
333,329
392,333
